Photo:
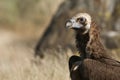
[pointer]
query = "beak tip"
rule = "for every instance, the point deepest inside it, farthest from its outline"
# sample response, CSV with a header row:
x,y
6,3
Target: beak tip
x,y
68,25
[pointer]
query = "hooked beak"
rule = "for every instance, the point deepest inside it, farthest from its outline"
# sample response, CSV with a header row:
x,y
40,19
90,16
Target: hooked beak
x,y
72,24
68,24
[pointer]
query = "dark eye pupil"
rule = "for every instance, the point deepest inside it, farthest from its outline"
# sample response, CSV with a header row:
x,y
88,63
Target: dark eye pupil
x,y
81,19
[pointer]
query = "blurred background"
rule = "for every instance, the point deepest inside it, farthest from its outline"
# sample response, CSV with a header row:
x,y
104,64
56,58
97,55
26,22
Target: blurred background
x,y
34,44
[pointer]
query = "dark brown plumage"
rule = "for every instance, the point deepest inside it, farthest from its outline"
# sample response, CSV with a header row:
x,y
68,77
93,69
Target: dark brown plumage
x,y
94,62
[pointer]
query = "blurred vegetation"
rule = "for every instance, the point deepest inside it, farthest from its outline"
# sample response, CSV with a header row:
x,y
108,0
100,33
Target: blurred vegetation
x,y
27,15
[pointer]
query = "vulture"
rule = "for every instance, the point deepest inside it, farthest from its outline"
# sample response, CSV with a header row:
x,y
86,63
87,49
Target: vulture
x,y
94,62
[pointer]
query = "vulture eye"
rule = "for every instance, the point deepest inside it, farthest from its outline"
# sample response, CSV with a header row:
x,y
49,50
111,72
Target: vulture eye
x,y
81,20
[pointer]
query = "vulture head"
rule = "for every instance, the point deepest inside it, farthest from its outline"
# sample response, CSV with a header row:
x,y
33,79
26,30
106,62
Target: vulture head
x,y
88,40
80,23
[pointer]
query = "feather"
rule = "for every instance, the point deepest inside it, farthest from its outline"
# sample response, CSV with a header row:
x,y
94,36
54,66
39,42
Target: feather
x,y
94,63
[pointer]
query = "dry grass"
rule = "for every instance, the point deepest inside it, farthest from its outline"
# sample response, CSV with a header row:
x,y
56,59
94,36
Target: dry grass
x,y
17,61
19,65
